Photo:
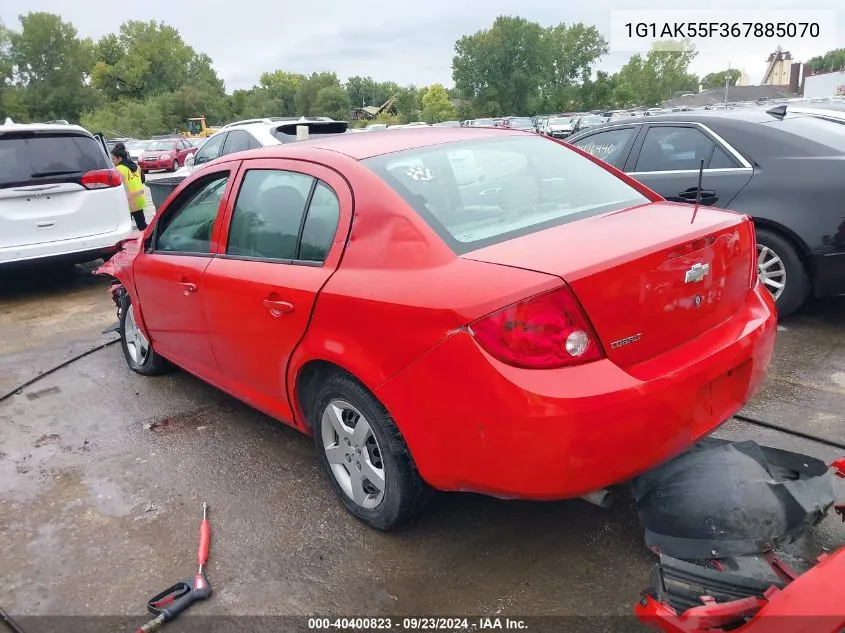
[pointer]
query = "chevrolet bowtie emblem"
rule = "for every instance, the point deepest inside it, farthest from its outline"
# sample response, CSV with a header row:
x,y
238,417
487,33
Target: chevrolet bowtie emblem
x,y
697,273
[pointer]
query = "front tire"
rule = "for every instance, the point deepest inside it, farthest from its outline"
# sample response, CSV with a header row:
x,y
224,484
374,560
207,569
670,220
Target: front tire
x,y
137,351
364,455
781,271
175,165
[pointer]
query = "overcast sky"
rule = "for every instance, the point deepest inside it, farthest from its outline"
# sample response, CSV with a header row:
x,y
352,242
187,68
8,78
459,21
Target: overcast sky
x,y
399,41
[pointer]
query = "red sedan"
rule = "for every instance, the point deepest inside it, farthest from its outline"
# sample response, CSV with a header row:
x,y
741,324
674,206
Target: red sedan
x,y
167,154
542,331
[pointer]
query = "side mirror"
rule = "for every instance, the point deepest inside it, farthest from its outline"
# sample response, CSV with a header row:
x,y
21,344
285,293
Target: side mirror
x,y
189,161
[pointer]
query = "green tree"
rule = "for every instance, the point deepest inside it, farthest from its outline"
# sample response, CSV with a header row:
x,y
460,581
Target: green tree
x,y
50,65
829,62
436,106
650,80
150,58
570,53
5,70
332,101
282,87
464,110
599,92
503,64
717,80
128,117
306,96
408,104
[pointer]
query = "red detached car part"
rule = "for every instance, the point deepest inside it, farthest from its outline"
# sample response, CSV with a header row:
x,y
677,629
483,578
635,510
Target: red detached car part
x,y
747,594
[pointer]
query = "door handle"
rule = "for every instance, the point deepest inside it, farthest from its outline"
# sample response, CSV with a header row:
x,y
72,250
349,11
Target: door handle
x,y
692,194
278,308
188,287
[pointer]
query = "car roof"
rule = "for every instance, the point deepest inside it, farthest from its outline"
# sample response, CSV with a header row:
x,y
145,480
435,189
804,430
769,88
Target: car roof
x,y
43,127
362,146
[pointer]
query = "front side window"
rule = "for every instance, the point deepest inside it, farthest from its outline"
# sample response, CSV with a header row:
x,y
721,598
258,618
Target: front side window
x,y
188,228
210,150
522,185
608,146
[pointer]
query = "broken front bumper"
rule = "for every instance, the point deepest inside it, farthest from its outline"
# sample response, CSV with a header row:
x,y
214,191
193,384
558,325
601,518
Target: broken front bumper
x,y
813,602
744,591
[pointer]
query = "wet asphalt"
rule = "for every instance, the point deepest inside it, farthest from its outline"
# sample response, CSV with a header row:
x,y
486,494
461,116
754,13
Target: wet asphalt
x,y
103,473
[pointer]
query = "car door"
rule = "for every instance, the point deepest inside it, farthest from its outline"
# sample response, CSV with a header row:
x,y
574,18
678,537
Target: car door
x,y
667,159
280,244
612,145
169,273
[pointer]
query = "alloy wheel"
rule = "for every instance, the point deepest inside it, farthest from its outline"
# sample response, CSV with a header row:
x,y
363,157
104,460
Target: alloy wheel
x,y
136,343
353,453
771,270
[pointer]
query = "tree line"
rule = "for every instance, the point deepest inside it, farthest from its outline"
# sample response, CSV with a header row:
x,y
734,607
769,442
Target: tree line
x,y
145,79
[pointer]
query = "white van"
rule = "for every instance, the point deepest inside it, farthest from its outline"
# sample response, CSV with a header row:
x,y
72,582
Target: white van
x,y
60,196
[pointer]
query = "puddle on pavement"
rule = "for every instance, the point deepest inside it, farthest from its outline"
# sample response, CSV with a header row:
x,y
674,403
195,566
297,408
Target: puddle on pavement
x,y
196,420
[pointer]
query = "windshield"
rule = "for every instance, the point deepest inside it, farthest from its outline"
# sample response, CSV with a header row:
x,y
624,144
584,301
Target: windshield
x,y
560,121
194,127
481,192
160,146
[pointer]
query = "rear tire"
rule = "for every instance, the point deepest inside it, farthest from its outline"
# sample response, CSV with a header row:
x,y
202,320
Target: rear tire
x,y
371,470
137,350
778,264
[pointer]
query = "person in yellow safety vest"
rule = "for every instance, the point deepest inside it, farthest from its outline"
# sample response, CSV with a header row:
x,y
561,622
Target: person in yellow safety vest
x,y
133,183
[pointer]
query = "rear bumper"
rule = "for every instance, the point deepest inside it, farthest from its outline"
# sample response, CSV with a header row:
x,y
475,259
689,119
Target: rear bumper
x,y
79,249
475,424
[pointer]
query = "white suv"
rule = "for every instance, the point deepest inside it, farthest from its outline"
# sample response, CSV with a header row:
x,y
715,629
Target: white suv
x,y
60,196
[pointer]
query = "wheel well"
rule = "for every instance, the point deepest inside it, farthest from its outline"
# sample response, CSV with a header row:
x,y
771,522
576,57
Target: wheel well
x,y
800,248
312,374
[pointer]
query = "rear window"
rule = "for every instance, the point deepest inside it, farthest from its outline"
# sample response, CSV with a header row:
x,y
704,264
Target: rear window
x,y
28,158
823,131
477,193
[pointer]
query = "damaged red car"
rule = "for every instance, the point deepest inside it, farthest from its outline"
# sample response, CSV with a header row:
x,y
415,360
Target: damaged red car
x,y
468,309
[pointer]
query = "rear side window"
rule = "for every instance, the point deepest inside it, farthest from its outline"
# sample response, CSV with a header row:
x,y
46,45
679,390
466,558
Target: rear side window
x,y
270,220
237,141
609,146
667,148
477,193
34,158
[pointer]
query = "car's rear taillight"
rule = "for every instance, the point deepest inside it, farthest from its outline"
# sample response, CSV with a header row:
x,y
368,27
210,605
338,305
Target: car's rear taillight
x,y
101,179
542,332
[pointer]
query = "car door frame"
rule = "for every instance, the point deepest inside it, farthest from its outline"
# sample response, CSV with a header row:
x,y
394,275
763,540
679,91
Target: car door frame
x,y
745,166
630,163
629,144
151,236
342,188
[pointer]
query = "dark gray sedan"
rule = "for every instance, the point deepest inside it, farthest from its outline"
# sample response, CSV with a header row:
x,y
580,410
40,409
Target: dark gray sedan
x,y
786,170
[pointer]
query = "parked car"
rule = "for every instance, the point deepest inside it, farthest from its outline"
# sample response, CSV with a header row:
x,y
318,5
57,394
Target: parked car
x,y
60,196
251,135
167,154
543,333
448,124
518,123
482,123
587,121
559,127
782,169
136,149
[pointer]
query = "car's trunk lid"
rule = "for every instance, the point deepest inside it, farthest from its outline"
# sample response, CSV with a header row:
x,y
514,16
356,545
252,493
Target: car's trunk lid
x,y
649,278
